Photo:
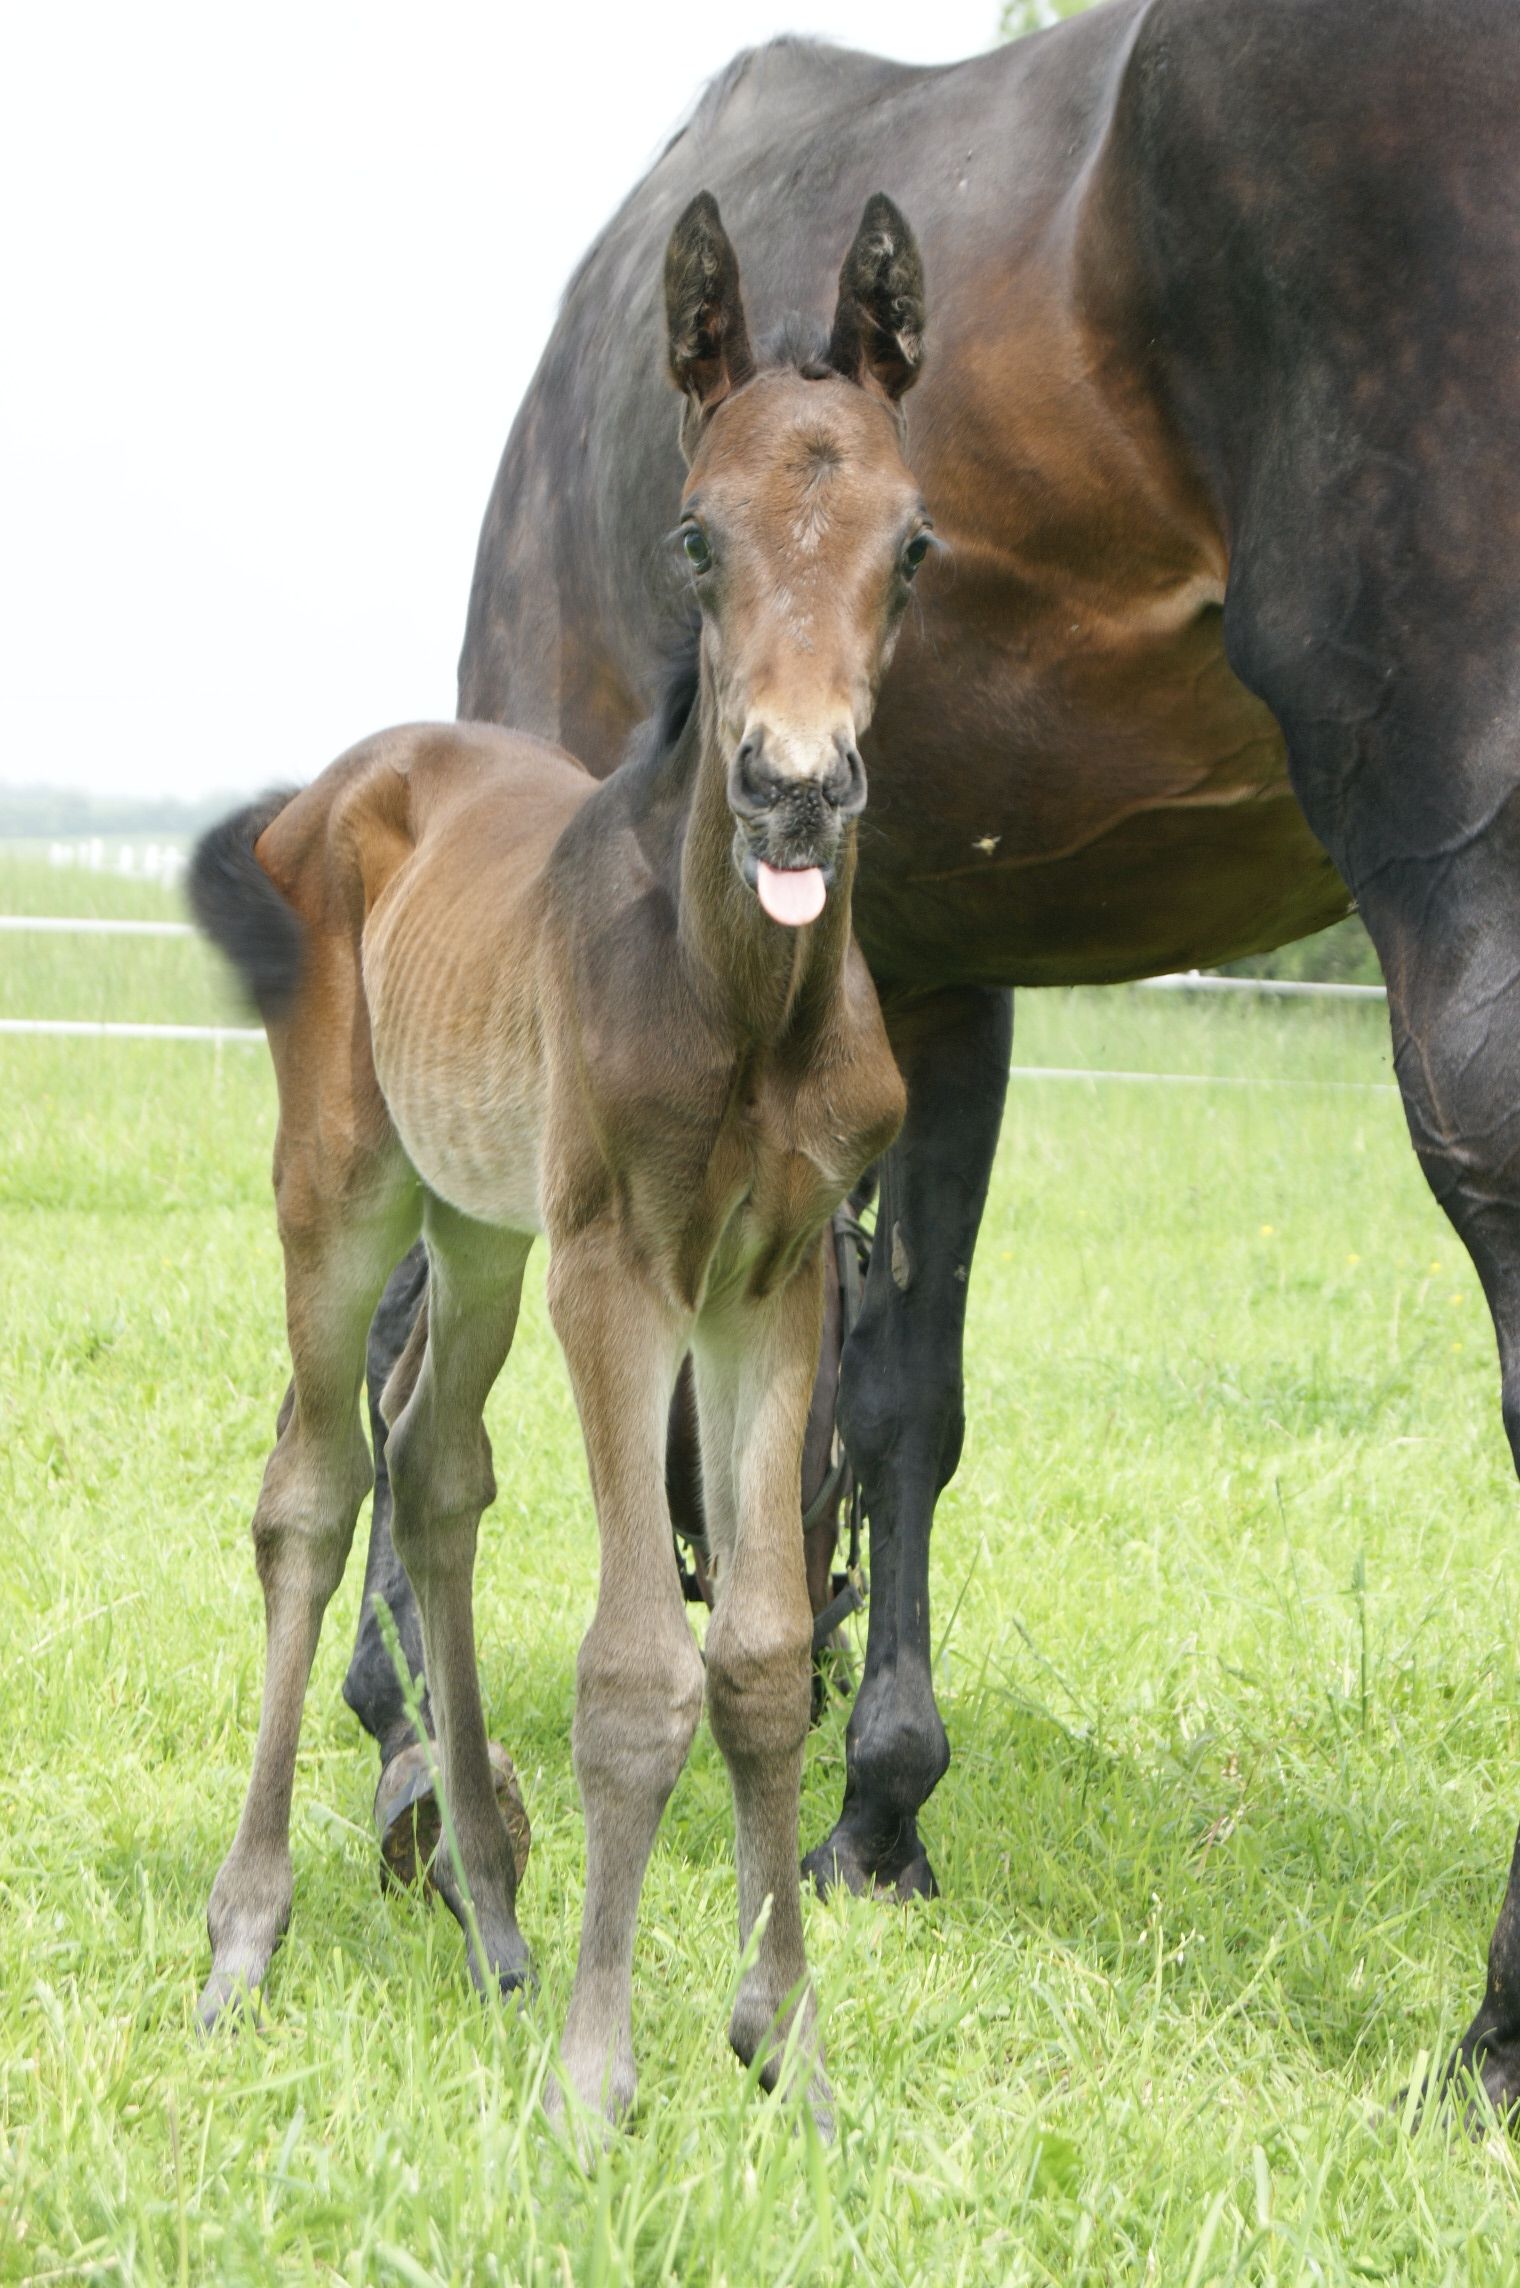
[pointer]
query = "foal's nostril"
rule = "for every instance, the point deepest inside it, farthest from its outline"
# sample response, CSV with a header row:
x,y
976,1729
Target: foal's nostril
x,y
754,784
845,785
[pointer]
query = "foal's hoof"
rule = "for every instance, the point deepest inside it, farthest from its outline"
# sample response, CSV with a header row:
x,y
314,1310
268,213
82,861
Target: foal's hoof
x,y
587,2099
842,1861
407,1819
226,2000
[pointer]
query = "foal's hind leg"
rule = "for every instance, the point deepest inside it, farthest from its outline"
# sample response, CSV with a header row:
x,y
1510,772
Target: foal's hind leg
x,y
313,1484
441,1481
406,1803
639,1675
755,1371
372,1687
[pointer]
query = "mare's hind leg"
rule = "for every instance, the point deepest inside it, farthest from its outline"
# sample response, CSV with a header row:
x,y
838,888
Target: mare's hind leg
x,y
901,1415
1401,729
639,1675
1449,937
755,1369
441,1481
313,1484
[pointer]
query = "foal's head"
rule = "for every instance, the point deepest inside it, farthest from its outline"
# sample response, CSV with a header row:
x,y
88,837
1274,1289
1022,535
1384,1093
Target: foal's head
x,y
802,529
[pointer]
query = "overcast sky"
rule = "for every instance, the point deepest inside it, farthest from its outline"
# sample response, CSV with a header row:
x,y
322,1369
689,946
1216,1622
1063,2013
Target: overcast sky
x,y
282,275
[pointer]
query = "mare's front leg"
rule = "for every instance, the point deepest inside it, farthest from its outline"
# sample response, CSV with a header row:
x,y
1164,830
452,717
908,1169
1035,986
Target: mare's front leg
x,y
441,1481
639,1675
756,1361
902,1418
303,1524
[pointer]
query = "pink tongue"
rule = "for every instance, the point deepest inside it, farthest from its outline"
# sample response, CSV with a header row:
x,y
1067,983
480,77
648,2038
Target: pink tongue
x,y
791,894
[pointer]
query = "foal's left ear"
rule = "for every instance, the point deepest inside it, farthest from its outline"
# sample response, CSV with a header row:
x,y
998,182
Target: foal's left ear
x,y
878,336
710,356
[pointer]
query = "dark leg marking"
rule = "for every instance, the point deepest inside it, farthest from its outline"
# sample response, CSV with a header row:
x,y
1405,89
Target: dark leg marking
x,y
902,1417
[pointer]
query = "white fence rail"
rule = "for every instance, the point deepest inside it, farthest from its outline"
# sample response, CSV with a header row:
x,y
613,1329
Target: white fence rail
x,y
1279,988
1183,981
82,1028
86,925
1176,981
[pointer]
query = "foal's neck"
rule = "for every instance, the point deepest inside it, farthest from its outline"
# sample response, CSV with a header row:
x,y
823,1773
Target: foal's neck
x,y
768,981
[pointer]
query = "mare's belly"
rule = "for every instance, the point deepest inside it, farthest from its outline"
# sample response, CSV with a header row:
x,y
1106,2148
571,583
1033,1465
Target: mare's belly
x,y
1046,819
1165,889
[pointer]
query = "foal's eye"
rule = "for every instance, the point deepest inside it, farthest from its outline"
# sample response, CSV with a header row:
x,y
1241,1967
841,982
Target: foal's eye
x,y
914,554
698,554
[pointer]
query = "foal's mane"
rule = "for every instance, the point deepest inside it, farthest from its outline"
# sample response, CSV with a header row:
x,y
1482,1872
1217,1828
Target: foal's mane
x,y
650,745
800,342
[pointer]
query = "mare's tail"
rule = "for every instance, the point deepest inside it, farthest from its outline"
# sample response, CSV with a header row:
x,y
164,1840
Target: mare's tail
x,y
246,918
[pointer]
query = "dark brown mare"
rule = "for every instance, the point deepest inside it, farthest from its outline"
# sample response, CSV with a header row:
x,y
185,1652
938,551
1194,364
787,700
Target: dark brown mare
x,y
502,1000
1223,429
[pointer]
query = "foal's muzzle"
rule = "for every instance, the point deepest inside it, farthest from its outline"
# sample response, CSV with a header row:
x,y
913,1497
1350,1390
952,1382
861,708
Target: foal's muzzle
x,y
789,822
761,781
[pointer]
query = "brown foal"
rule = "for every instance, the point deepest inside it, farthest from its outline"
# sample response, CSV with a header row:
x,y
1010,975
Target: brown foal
x,y
504,999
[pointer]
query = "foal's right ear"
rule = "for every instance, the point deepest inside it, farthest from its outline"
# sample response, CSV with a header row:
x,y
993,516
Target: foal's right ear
x,y
710,356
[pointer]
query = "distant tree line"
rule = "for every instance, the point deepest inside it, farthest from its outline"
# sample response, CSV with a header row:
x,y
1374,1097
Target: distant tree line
x,y
62,814
1342,955
1021,16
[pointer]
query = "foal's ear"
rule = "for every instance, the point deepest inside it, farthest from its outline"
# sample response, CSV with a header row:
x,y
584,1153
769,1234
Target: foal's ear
x,y
878,337
709,347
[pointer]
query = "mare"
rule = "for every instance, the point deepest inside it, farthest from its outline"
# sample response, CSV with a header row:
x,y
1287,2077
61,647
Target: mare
x,y
503,998
1223,430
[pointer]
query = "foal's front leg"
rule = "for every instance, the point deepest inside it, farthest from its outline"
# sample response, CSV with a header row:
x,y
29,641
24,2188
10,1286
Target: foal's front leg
x,y
639,1675
755,1368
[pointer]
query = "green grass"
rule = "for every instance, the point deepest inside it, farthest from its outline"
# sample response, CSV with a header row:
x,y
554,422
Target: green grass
x,y
1226,1629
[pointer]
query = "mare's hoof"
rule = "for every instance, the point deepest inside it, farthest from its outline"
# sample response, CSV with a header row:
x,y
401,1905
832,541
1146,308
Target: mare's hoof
x,y
407,1820
1479,2093
842,1862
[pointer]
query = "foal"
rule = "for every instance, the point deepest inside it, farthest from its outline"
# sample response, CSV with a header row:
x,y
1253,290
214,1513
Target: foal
x,y
505,999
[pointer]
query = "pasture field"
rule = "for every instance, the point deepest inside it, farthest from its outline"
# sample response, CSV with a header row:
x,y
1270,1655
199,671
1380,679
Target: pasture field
x,y
1226,1626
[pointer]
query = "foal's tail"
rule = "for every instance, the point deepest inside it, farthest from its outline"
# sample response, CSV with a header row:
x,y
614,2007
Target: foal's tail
x,y
244,915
